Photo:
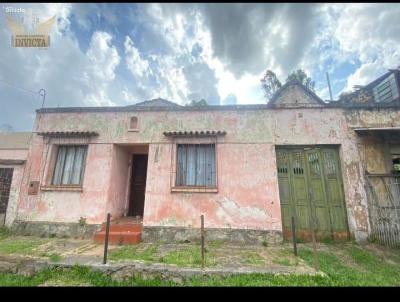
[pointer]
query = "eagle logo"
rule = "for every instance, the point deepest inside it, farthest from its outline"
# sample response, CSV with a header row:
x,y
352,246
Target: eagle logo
x,y
21,38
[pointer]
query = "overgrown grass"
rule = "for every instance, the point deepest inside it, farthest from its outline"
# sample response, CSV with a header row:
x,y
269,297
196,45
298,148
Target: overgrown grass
x,y
344,264
19,246
4,233
55,257
82,276
283,261
253,258
64,277
189,255
185,255
134,253
365,269
370,269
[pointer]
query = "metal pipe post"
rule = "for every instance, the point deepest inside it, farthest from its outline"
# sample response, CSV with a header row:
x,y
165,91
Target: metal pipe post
x,y
202,242
294,237
106,239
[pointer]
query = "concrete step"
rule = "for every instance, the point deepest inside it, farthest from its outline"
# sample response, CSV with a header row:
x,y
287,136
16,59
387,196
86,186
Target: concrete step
x,y
119,237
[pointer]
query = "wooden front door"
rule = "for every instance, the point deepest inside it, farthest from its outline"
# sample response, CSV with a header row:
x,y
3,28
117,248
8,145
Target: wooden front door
x,y
310,188
138,185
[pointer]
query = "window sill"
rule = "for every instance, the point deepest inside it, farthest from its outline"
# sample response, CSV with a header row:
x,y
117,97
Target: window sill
x,y
62,188
133,130
194,190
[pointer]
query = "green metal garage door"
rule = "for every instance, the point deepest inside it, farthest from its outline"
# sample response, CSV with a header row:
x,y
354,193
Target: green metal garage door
x,y
310,189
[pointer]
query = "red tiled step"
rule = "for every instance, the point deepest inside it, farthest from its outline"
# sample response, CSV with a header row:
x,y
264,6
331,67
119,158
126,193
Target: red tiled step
x,y
125,227
118,237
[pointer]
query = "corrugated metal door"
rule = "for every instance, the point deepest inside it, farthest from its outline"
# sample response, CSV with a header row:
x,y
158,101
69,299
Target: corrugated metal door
x,y
311,191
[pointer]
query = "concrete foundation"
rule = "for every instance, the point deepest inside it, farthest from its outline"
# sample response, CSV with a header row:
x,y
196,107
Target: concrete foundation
x,y
237,236
53,229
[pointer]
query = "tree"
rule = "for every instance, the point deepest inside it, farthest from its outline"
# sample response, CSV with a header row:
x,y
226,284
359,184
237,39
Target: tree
x,y
344,95
202,102
270,84
300,76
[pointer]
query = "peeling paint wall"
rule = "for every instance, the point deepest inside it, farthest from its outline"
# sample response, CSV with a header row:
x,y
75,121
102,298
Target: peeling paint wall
x,y
18,170
295,94
372,155
121,162
248,195
66,206
247,191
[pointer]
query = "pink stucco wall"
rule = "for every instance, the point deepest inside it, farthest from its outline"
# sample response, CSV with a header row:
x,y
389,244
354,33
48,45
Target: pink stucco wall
x,y
66,206
13,154
247,191
247,194
119,181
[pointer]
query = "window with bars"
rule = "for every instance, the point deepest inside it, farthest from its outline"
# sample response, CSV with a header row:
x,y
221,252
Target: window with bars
x,y
69,166
196,165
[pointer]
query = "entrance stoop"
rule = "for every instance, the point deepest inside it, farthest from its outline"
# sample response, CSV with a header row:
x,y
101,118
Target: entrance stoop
x,y
123,231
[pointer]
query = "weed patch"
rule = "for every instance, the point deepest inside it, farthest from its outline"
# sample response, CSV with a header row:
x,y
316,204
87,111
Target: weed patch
x,y
19,246
55,257
134,253
4,233
190,255
253,258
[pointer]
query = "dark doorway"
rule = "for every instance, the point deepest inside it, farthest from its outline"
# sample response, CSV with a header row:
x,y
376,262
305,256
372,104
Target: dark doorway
x,y
138,185
6,175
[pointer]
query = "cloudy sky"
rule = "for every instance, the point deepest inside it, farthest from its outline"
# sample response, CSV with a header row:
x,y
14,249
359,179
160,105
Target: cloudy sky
x,y
120,54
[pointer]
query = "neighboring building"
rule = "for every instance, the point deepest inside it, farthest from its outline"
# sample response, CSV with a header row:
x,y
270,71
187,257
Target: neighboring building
x,y
13,153
247,168
374,114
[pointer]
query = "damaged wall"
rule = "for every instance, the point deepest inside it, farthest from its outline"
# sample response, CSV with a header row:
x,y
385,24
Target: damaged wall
x,y
120,168
58,205
248,195
13,155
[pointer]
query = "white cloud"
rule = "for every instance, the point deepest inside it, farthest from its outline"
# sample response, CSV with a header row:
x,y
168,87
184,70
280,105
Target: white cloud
x,y
135,63
70,77
193,51
102,59
369,33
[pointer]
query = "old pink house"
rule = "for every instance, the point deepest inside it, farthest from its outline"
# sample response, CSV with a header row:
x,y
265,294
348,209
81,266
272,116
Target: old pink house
x,y
247,168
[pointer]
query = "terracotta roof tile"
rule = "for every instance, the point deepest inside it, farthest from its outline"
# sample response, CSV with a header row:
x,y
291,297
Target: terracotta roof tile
x,y
68,133
195,133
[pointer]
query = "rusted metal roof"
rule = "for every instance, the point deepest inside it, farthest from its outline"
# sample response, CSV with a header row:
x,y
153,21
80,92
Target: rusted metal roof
x,y
68,133
195,133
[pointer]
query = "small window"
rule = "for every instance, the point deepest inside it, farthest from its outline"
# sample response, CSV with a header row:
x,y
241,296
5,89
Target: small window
x,y
396,166
386,91
69,165
133,123
196,165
